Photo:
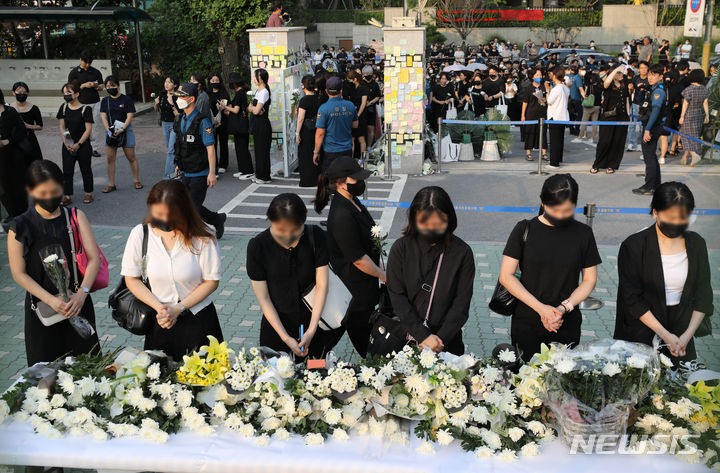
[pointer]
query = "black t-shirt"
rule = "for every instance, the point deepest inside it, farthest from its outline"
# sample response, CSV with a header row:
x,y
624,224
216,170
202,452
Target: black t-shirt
x,y
357,95
88,94
493,87
342,55
442,93
552,260
534,109
310,103
289,273
640,87
32,117
374,90
462,88
117,108
75,120
478,100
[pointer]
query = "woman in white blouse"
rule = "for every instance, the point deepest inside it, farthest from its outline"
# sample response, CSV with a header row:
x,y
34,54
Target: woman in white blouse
x,y
557,101
183,270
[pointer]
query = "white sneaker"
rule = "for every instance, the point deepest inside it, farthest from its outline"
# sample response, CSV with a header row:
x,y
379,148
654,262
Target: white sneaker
x,y
661,160
260,181
577,140
242,176
551,166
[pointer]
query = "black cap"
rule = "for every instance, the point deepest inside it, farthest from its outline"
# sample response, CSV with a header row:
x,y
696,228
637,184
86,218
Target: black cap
x,y
186,90
333,85
235,77
346,167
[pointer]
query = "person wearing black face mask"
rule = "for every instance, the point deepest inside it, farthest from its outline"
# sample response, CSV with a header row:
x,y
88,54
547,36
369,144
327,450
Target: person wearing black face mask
x,y
284,262
429,247
32,117
76,124
553,251
352,251
218,94
12,163
664,278
43,230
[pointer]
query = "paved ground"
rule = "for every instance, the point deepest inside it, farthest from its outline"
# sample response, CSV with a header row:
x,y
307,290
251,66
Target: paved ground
x,y
504,183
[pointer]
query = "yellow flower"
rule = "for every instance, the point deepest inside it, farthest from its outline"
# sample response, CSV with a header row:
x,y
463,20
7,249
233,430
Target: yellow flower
x,y
216,350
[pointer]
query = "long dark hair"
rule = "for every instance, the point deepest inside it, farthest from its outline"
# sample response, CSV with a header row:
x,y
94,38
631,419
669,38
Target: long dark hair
x,y
324,189
670,194
558,189
288,207
183,216
427,201
200,80
262,74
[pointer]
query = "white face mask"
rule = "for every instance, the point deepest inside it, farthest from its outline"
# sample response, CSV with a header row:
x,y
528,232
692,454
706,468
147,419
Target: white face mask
x,y
181,104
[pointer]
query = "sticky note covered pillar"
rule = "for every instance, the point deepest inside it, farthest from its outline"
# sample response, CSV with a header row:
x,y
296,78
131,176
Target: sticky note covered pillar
x,y
277,50
405,96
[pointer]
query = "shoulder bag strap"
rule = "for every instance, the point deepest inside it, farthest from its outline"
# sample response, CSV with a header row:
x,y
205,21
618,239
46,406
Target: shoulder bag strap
x,y
76,230
71,235
524,237
146,235
432,291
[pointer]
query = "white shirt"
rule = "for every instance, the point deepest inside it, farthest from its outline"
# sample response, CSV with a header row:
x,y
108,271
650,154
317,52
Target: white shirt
x,y
675,269
176,273
717,48
510,90
558,103
685,50
262,96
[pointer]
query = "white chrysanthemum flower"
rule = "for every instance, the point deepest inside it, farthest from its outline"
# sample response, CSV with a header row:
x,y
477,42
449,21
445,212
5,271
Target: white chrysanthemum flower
x,y
271,424
564,365
104,387
219,410
333,416
507,356
184,398
51,259
426,448
169,408
153,372
611,369
285,367
340,435
536,427
262,441
313,439
507,455
247,430
281,434
376,231
146,405
65,381
637,361
86,386
665,360
491,439
427,358
444,437
683,408
515,433
484,452
530,449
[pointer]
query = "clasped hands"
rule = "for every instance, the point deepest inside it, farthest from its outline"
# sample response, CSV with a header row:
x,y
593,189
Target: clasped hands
x,y
552,317
167,315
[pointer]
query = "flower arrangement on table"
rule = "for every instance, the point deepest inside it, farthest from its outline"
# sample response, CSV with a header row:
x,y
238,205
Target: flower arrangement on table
x,y
491,406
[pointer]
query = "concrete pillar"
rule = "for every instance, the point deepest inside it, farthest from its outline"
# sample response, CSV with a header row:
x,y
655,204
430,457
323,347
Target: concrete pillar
x,y
405,96
279,51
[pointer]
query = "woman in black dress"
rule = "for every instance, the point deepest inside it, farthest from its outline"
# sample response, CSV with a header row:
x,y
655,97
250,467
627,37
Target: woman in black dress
x,y
672,114
32,117
43,225
352,252
360,97
428,242
553,251
237,110
305,133
441,96
534,107
12,160
262,130
614,108
183,269
219,95
283,263
76,123
664,278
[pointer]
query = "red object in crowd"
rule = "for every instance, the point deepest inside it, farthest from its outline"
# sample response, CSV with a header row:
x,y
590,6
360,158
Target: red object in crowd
x,y
498,15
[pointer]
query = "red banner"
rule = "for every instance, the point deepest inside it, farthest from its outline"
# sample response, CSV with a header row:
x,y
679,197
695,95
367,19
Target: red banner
x,y
446,16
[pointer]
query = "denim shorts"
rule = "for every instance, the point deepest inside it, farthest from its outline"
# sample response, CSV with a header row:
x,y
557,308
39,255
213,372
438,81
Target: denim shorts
x,y
129,138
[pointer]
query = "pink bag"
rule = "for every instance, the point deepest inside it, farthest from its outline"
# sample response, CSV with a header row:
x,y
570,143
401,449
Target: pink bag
x,y
103,276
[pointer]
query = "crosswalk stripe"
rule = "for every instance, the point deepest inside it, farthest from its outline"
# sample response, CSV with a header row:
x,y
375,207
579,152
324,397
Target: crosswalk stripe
x,y
263,217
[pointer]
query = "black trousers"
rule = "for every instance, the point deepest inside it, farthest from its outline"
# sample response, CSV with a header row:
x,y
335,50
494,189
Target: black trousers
x,y
197,186
221,146
262,134
328,157
575,110
242,153
610,147
557,143
357,326
83,157
12,180
652,167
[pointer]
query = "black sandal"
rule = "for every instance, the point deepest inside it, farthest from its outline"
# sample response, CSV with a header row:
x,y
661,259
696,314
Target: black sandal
x,y
528,157
546,157
609,171
593,170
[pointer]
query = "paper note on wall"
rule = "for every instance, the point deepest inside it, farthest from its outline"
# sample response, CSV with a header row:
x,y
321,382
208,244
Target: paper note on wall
x,y
403,76
280,50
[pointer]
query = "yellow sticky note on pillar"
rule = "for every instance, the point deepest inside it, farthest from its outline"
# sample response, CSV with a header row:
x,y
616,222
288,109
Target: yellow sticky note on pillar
x,y
267,50
403,76
409,61
280,50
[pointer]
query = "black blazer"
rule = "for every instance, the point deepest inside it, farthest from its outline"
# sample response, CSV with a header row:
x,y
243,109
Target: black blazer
x,y
641,286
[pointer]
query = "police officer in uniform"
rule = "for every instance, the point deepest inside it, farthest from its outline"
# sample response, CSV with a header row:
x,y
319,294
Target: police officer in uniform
x,y
335,121
652,116
195,153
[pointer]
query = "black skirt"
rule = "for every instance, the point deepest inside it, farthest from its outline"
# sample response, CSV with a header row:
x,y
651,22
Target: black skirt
x,y
187,335
309,172
269,337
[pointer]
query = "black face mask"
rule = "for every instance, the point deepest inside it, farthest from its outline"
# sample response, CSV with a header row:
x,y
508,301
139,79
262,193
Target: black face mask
x,y
356,188
68,97
215,86
21,97
288,240
161,225
50,204
558,222
672,230
113,91
432,236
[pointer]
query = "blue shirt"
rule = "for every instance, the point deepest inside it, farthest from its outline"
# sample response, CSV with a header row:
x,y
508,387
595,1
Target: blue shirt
x,y
576,81
657,102
207,136
336,117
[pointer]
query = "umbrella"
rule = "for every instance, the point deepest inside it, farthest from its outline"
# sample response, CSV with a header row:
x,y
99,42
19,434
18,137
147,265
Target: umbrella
x,y
694,65
454,67
476,66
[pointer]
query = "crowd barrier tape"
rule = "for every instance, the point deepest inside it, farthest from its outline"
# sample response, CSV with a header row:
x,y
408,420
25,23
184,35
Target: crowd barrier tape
x,y
520,209
692,138
535,122
571,122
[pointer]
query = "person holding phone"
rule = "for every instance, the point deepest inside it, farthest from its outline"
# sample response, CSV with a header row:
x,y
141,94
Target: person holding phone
x,y
90,81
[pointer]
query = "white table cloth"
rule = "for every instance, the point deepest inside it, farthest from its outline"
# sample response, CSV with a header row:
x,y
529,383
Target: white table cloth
x,y
226,451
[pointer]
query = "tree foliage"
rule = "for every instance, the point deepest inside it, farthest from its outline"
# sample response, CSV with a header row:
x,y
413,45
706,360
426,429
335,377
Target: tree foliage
x,y
465,15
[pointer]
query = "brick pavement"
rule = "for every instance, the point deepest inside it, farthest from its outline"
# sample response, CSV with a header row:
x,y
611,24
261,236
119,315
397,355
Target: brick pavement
x,y
240,314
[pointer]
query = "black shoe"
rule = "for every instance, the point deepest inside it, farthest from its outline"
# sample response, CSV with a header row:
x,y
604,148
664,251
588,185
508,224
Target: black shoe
x,y
95,154
220,229
642,191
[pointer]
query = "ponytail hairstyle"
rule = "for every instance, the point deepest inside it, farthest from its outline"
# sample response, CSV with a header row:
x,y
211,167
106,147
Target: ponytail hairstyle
x,y
324,189
262,75
558,189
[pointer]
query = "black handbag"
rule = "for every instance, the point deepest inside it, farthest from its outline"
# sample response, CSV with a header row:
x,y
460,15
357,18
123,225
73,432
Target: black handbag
x,y
128,311
388,333
114,141
238,123
502,302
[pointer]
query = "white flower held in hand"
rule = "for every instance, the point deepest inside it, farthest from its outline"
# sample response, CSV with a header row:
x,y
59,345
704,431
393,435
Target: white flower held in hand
x,y
51,259
376,231
611,369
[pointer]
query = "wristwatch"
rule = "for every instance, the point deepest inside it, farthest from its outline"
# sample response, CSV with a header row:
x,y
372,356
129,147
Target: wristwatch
x,y
568,306
85,289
